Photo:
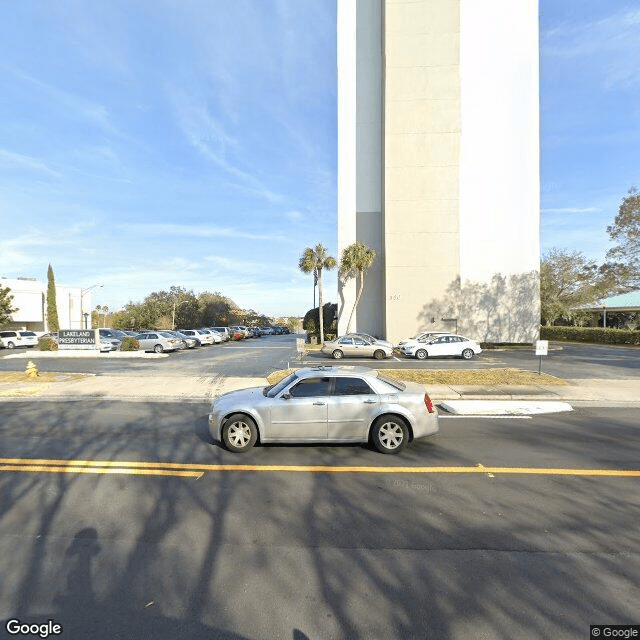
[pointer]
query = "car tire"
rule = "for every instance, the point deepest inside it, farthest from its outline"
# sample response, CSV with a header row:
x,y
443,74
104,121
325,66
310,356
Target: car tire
x,y
421,354
379,354
337,354
239,433
158,348
10,345
467,354
389,434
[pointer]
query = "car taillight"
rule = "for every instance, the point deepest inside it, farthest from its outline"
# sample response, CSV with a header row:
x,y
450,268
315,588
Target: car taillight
x,y
428,403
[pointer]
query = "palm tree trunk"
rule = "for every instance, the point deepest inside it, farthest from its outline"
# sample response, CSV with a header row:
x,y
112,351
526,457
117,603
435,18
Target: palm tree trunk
x,y
355,304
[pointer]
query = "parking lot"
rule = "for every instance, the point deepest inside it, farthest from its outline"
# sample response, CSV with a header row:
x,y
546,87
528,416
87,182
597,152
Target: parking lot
x,y
261,356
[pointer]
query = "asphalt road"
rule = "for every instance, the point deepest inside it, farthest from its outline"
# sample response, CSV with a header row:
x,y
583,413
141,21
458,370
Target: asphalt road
x,y
259,357
490,530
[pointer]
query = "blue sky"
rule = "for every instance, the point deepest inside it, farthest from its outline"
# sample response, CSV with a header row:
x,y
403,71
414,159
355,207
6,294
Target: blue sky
x,y
161,142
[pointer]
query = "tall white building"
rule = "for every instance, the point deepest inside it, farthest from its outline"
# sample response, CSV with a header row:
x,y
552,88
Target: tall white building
x,y
438,165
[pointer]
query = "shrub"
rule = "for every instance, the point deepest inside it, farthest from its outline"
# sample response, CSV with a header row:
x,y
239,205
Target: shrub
x,y
598,335
47,344
129,344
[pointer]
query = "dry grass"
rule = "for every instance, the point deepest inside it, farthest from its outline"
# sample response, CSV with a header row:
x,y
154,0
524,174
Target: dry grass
x,y
482,377
13,377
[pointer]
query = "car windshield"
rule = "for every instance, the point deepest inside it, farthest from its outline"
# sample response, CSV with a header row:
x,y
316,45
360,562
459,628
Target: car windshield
x,y
273,390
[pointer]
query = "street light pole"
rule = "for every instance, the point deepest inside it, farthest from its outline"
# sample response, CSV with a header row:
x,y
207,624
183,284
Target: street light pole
x,y
82,292
173,319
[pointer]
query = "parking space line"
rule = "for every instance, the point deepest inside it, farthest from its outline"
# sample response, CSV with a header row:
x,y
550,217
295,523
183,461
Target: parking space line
x,y
26,465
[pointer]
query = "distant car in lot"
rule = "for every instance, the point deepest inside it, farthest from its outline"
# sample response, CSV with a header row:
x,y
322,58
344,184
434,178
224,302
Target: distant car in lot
x,y
158,341
18,338
448,344
193,335
223,331
356,346
325,404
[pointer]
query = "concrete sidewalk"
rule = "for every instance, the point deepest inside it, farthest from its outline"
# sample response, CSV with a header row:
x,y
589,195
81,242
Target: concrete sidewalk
x,y
625,392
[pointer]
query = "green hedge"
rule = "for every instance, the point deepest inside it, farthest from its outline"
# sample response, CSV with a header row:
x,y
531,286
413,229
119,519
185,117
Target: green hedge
x,y
129,344
47,344
597,335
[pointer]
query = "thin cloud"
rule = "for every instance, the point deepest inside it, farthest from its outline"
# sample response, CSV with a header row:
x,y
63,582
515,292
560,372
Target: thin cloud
x,y
12,160
571,210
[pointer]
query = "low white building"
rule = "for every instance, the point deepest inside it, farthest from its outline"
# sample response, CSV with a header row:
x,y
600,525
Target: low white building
x,y
30,302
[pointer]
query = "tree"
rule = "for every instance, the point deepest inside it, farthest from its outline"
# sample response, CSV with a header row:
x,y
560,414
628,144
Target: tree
x,y
315,261
6,306
625,230
568,281
53,323
356,259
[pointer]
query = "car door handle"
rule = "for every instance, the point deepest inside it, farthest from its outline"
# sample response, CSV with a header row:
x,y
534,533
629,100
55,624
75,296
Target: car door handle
x,y
319,404
369,401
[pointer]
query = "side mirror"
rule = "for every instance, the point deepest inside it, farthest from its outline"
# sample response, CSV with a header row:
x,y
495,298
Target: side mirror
x,y
286,396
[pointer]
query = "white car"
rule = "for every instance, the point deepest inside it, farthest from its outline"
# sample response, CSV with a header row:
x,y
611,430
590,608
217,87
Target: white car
x,y
11,339
447,344
423,336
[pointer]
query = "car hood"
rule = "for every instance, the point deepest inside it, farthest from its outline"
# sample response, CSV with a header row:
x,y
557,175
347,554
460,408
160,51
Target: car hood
x,y
240,397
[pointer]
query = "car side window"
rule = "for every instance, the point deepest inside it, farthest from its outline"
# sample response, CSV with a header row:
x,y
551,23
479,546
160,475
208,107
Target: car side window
x,y
351,387
359,341
345,341
311,387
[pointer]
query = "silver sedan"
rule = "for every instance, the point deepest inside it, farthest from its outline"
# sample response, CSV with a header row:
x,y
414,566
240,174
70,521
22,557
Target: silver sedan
x,y
358,346
325,404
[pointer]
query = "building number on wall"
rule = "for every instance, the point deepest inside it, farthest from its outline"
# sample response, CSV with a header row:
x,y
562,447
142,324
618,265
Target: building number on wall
x,y
394,296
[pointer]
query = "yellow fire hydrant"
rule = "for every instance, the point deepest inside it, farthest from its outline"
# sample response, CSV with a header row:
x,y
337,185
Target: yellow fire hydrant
x,y
31,370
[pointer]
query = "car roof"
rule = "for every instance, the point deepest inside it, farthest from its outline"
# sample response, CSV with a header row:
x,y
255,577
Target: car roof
x,y
330,370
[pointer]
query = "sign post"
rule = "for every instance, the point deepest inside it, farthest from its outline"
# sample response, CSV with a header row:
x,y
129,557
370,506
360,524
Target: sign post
x,y
542,349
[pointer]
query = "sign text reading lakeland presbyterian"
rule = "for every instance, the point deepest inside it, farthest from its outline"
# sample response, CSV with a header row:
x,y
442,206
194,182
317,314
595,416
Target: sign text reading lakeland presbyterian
x,y
76,339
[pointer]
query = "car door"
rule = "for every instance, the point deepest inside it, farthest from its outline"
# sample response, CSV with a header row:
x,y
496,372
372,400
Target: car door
x,y
351,409
439,347
299,413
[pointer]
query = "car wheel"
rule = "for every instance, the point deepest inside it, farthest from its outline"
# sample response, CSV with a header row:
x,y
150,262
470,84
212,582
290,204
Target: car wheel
x,y
10,345
467,354
389,434
379,354
337,354
239,433
158,348
421,354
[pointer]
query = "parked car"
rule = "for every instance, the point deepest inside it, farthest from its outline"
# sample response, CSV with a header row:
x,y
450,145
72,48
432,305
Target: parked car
x,y
193,335
444,345
348,346
223,331
423,336
325,404
371,338
18,338
158,341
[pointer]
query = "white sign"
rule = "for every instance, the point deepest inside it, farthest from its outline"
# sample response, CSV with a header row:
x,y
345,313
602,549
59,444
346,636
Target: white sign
x,y
542,347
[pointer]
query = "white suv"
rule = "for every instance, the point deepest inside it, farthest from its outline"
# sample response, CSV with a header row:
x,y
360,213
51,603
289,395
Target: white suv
x,y
11,339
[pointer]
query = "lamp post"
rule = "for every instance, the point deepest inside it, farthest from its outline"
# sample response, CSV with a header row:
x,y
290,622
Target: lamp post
x,y
82,292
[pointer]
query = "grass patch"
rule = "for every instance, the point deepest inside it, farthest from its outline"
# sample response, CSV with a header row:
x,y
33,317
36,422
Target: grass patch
x,y
9,377
455,376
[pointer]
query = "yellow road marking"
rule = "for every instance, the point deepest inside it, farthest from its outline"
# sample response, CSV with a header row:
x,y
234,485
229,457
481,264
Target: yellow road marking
x,y
197,470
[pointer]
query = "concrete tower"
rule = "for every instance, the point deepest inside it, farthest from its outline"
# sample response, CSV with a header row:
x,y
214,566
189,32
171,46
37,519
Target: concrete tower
x,y
438,165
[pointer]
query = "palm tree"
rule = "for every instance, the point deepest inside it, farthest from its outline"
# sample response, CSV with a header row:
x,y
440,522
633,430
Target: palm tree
x,y
314,261
356,259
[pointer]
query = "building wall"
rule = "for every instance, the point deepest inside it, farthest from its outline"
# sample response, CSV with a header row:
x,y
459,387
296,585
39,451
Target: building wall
x,y
421,157
452,118
29,298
